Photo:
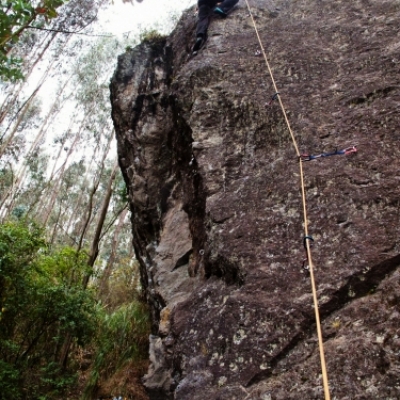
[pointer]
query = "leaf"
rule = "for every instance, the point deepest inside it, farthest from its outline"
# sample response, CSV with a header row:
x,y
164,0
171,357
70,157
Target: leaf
x,y
52,13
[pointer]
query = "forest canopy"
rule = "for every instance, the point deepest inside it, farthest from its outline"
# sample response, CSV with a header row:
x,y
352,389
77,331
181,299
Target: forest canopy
x,y
16,16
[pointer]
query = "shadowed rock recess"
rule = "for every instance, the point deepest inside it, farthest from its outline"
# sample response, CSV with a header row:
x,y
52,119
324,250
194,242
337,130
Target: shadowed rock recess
x,y
214,189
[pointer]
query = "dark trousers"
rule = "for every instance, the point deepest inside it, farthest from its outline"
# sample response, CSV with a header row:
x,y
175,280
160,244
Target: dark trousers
x,y
205,11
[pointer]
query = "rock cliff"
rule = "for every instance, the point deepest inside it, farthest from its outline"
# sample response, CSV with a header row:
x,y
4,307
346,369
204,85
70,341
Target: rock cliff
x,y
213,183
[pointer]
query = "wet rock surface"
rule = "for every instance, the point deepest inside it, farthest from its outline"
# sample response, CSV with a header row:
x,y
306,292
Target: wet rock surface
x,y
213,183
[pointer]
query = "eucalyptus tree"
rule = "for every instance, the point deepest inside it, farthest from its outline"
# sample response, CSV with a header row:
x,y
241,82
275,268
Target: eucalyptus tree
x,y
20,176
17,121
75,221
92,72
21,20
104,286
88,213
16,17
36,38
48,208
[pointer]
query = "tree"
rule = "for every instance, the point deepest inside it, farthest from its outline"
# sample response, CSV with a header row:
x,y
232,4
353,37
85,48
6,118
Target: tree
x,y
104,286
15,17
41,301
32,152
95,245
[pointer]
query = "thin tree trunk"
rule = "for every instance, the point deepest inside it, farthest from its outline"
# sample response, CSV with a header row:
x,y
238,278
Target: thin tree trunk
x,y
56,225
94,249
78,203
6,106
111,223
62,144
44,192
8,102
104,281
21,172
93,192
22,110
20,118
41,54
56,187
88,215
5,112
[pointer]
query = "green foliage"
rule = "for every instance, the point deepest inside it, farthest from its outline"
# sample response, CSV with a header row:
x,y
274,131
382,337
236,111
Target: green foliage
x,y
6,178
10,68
42,302
121,342
19,211
9,381
151,36
55,381
15,17
120,190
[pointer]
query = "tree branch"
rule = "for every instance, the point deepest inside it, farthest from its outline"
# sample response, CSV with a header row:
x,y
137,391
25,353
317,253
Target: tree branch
x,y
67,32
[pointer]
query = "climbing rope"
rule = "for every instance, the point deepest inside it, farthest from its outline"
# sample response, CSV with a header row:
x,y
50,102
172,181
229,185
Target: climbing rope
x,y
306,234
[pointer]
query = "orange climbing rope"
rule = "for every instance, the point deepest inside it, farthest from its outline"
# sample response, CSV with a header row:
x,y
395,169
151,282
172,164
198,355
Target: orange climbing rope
x,y
307,242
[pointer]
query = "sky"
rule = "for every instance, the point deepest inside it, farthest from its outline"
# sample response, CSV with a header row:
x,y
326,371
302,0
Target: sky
x,y
119,18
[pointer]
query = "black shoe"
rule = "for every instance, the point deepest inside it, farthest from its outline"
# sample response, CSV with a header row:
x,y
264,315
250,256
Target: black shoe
x,y
198,44
220,12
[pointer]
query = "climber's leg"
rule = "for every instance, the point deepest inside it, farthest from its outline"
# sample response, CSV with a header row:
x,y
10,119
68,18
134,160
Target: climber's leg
x,y
224,7
205,8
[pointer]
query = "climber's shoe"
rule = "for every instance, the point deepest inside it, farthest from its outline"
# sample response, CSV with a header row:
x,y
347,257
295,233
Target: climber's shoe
x,y
220,12
198,44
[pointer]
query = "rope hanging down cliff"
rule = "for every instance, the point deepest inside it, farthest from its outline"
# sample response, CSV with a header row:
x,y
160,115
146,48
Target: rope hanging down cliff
x,y
306,235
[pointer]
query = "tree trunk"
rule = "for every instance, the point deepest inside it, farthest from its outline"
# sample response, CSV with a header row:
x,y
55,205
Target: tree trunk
x,y
94,250
20,118
44,193
78,203
41,54
92,193
56,224
47,209
21,172
6,111
12,97
104,281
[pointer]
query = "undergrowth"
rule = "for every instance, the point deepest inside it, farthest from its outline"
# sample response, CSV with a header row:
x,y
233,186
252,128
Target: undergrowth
x,y
120,348
56,335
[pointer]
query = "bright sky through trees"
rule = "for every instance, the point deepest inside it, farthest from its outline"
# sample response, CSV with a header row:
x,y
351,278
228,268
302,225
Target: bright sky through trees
x,y
121,18
125,21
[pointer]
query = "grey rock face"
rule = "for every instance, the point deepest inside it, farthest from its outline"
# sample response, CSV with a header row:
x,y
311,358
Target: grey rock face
x,y
213,183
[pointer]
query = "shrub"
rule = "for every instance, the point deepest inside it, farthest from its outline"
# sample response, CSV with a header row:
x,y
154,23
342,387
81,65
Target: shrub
x,y
121,344
151,36
42,302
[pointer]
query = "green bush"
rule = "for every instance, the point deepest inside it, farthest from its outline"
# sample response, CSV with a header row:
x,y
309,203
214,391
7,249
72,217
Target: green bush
x,y
46,315
121,342
42,303
151,36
